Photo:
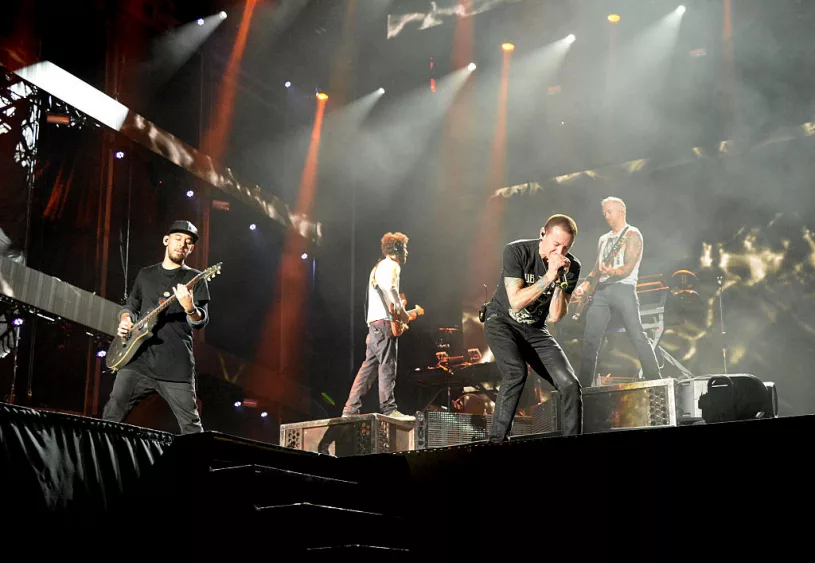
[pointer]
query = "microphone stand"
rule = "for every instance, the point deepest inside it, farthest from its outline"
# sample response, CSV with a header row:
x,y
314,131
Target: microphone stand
x,y
719,281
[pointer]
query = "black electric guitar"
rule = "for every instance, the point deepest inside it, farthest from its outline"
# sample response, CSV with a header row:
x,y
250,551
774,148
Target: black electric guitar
x,y
582,303
123,348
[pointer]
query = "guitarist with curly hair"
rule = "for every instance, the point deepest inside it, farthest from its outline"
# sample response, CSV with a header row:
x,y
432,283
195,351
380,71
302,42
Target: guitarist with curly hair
x,y
386,318
612,286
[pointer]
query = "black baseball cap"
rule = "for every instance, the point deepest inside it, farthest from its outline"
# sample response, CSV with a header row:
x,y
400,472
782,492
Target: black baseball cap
x,y
184,227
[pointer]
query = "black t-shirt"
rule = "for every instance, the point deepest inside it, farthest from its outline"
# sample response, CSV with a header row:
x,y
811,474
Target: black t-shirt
x,y
167,355
522,260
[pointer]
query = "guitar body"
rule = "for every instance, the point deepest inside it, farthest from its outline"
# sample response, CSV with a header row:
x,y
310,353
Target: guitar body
x,y
122,350
398,327
582,304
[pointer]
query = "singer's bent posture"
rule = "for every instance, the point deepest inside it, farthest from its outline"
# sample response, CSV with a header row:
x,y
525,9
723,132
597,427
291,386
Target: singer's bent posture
x,y
538,277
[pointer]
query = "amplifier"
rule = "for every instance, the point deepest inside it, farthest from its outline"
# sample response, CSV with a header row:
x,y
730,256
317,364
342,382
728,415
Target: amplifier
x,y
546,415
440,429
688,392
629,405
353,435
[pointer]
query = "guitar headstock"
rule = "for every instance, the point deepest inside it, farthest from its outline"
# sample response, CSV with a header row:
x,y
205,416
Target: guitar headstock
x,y
212,271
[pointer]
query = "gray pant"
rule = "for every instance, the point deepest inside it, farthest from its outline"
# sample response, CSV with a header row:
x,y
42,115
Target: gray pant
x,y
380,358
607,299
132,387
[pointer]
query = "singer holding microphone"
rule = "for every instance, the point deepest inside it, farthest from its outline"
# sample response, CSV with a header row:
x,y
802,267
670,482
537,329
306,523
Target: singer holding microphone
x,y
538,277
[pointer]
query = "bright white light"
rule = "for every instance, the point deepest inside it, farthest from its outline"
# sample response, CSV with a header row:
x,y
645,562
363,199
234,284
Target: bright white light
x,y
237,403
304,256
287,84
200,21
101,353
381,90
190,193
680,10
120,155
252,227
223,15
570,38
264,414
71,90
471,66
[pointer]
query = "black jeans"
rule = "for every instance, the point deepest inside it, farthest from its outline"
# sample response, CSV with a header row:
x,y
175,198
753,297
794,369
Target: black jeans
x,y
132,387
514,345
380,358
607,299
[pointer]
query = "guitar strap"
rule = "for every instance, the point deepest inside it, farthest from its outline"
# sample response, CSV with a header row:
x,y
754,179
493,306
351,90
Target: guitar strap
x,y
611,251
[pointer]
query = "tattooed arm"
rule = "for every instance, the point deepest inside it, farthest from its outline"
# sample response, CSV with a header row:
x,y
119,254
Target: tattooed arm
x,y
520,296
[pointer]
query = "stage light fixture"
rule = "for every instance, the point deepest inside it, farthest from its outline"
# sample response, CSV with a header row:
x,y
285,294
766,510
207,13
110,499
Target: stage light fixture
x,y
680,10
571,38
237,403
508,47
304,256
287,84
17,321
200,21
252,227
58,118
223,15
264,414
101,354
613,18
471,66
381,90
120,155
322,96
190,193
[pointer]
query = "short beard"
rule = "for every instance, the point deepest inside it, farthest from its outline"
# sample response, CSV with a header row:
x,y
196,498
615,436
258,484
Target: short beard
x,y
179,261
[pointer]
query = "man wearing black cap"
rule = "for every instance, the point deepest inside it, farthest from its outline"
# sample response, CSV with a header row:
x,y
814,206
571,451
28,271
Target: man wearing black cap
x,y
165,363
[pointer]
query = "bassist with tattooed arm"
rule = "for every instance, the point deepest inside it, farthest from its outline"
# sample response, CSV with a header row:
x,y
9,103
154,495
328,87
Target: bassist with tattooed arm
x,y
615,276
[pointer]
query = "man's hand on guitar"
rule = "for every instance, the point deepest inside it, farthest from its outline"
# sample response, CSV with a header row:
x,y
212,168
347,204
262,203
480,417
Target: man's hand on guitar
x,y
184,298
124,326
607,270
580,291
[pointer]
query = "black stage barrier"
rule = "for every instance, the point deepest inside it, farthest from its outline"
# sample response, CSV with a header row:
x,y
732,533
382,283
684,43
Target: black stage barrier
x,y
71,467
725,491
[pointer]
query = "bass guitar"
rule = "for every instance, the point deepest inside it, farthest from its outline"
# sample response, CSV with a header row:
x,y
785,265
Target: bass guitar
x,y
123,348
582,304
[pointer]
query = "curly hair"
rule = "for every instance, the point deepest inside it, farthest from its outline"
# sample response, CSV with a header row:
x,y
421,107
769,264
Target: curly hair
x,y
563,221
393,243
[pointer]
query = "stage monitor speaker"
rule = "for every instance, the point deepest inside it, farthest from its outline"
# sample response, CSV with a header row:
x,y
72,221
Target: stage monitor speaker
x,y
739,396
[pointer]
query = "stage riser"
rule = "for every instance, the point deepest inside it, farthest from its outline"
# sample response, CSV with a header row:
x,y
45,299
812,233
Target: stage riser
x,y
356,435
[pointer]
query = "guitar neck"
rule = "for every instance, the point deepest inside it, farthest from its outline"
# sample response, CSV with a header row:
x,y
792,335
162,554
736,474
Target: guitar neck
x,y
167,302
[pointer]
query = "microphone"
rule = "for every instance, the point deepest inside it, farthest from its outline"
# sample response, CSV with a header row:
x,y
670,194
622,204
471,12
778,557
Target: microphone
x,y
563,283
